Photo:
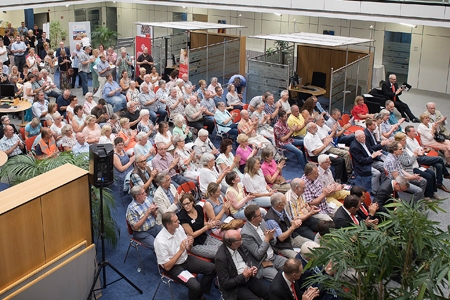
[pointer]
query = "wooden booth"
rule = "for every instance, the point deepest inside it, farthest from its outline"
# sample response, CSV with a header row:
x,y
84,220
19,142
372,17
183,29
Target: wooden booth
x,y
46,237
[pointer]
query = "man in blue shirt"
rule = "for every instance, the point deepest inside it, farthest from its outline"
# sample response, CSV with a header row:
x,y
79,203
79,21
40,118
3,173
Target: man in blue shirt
x,y
81,146
18,49
239,83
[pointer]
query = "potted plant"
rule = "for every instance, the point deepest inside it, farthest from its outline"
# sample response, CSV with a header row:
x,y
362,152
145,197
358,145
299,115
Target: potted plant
x,y
56,34
23,167
406,257
103,35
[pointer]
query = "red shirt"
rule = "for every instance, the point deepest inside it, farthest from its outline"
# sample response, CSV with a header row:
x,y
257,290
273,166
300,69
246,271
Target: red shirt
x,y
359,109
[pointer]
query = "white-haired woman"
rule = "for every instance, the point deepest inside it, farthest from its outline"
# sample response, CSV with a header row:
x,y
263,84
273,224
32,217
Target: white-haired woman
x,y
133,94
144,147
89,104
56,128
179,87
68,139
180,128
208,173
187,158
263,121
107,135
175,103
145,124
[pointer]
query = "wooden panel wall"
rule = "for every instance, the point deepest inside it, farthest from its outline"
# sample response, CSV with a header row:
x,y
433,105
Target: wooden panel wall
x,y
21,242
317,59
67,207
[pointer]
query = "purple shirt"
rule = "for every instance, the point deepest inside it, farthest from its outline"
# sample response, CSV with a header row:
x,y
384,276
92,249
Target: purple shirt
x,y
162,164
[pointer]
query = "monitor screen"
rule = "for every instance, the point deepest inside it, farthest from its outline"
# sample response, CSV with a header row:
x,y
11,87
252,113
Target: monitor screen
x,y
7,90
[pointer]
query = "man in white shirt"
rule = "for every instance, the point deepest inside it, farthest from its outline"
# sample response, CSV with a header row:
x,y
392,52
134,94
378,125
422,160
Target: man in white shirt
x,y
334,119
327,180
40,107
51,90
436,115
81,146
315,146
171,246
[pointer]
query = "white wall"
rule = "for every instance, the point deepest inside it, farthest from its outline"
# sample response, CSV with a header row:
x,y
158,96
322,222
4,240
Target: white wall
x,y
429,67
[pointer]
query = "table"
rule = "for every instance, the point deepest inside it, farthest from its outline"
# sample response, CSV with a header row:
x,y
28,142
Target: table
x,y
3,158
22,106
310,89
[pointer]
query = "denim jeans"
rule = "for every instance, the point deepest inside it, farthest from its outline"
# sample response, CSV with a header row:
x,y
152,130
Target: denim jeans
x,y
298,153
153,115
84,81
118,102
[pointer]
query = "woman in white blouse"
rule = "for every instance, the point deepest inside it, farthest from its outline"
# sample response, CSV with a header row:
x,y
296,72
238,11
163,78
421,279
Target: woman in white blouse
x,y
208,173
426,129
255,183
164,136
57,127
233,97
187,158
89,104
107,136
227,159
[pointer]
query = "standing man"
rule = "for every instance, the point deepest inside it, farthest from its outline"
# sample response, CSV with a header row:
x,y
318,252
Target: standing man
x,y
258,241
103,69
84,67
61,47
40,44
18,49
392,92
22,29
141,215
238,280
76,64
171,246
145,61
37,32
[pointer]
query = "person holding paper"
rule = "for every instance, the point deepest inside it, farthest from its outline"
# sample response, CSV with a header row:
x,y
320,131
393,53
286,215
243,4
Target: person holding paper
x,y
392,92
171,246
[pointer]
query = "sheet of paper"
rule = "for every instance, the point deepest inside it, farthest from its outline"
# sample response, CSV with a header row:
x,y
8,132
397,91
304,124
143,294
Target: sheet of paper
x,y
228,220
185,276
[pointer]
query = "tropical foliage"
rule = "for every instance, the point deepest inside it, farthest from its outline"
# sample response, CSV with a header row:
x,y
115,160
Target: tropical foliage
x,y
23,167
407,247
56,34
103,35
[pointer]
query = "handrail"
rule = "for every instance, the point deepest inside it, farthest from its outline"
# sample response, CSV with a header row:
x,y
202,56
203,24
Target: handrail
x,y
349,64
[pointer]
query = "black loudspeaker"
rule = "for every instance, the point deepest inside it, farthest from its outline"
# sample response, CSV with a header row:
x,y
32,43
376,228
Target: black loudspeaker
x,y
101,166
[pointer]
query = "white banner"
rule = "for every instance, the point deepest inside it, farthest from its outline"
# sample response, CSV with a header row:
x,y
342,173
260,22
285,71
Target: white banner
x,y
77,30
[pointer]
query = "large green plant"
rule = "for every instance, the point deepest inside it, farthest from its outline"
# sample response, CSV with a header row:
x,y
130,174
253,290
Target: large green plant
x,y
57,33
407,247
103,35
23,167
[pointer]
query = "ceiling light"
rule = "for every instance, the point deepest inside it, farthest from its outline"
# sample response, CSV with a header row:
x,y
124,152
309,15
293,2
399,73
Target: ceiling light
x,y
277,14
409,25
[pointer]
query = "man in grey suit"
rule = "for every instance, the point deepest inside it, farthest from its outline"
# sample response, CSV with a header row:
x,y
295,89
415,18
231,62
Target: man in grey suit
x,y
258,241
166,196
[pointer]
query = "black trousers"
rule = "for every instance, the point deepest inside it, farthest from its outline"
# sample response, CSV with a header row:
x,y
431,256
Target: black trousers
x,y
203,122
19,61
403,109
74,78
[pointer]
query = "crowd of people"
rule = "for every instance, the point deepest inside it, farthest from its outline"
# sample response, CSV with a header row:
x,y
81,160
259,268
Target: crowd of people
x,y
248,220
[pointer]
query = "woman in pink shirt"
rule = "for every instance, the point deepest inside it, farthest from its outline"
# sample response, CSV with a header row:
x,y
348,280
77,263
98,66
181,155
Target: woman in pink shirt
x,y
244,151
272,171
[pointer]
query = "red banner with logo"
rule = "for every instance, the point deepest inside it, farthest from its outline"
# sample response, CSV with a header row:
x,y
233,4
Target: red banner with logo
x,y
184,63
141,43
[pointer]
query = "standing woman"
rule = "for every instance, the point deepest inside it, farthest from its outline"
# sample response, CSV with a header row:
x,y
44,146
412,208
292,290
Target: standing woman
x,y
94,61
49,63
33,60
194,224
29,95
3,53
122,165
64,66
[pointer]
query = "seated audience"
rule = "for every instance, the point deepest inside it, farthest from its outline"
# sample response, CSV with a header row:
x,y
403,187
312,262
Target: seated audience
x,y
287,237
233,98
123,164
192,219
208,102
143,176
164,161
145,124
327,180
166,196
227,159
365,212
203,144
180,128
258,242
56,128
46,147
238,198
216,207
347,215
101,113
171,246
144,147
78,119
187,158
11,143
128,135
273,172
224,121
391,189
236,279
148,100
315,193
255,183
141,215
33,128
165,136
436,116
386,129
263,122
175,103
107,135
68,140
360,112
271,109
194,114
89,103
133,114
92,131
297,122
5,120
427,131
394,168
392,117
284,138
244,150
208,173
40,107
112,94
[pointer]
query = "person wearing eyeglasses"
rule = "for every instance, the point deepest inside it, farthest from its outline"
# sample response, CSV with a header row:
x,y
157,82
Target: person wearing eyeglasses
x,y
141,215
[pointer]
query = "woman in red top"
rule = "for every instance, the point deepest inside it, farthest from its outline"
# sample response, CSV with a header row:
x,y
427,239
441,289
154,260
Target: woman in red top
x,y
360,112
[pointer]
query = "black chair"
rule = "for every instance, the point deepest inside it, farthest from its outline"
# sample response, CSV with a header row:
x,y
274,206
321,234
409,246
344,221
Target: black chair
x,y
319,79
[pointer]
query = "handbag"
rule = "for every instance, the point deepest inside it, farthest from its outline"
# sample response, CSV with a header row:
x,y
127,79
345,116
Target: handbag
x,y
439,137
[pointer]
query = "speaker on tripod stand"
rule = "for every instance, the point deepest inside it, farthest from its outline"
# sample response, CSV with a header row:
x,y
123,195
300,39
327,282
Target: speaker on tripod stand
x,y
101,174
